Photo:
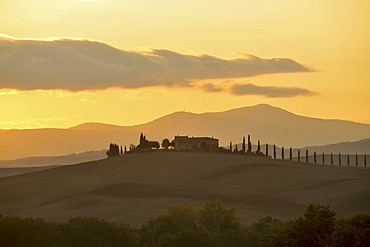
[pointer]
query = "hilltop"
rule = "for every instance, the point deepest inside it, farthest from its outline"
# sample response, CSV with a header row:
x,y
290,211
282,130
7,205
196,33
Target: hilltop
x,y
264,122
136,187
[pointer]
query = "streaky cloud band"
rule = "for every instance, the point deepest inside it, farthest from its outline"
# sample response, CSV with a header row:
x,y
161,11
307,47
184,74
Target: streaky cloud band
x,y
270,91
77,65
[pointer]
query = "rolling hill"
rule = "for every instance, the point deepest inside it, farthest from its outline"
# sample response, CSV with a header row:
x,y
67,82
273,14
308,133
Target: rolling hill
x,y
31,164
263,122
134,188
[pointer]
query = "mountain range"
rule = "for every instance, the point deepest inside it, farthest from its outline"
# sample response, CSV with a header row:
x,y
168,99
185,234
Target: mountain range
x,y
263,122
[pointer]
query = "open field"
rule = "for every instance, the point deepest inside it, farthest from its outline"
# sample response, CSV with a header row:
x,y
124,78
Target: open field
x,y
136,187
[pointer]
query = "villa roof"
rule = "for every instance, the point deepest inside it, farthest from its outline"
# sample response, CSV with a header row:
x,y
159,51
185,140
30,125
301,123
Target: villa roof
x,y
193,138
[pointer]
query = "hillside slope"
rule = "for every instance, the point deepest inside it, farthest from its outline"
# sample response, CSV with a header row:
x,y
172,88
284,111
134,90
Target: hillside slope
x,y
136,187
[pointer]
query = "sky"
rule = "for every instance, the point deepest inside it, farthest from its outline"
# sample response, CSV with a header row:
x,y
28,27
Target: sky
x,y
126,62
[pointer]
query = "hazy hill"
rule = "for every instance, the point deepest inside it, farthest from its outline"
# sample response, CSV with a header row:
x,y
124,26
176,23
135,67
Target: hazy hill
x,y
136,187
51,142
54,160
31,164
362,146
264,122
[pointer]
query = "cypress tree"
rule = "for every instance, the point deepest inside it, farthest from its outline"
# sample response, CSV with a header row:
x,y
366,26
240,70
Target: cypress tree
x,y
323,158
236,148
141,138
306,155
331,159
365,160
116,149
249,145
231,146
243,147
282,153
290,153
267,150
340,160
314,157
347,159
299,155
125,150
274,151
258,147
356,160
121,150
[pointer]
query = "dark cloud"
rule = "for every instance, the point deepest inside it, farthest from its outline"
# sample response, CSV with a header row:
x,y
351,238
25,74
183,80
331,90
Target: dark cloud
x,y
88,65
270,92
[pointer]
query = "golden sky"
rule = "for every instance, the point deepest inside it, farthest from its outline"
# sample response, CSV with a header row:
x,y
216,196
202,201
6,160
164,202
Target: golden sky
x,y
66,62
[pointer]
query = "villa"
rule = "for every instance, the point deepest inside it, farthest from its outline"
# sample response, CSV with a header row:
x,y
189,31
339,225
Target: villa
x,y
186,143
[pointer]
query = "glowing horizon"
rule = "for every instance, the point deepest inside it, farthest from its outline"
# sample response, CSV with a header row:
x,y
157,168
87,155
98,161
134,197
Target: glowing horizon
x,y
189,41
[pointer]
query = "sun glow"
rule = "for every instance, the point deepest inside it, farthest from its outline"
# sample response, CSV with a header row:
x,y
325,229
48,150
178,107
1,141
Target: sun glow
x,y
9,92
55,38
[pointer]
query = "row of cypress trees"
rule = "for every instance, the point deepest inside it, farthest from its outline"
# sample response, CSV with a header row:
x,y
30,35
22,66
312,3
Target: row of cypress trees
x,y
247,149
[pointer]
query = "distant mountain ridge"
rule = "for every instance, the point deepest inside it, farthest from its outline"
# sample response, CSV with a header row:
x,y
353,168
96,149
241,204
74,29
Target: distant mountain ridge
x,y
263,122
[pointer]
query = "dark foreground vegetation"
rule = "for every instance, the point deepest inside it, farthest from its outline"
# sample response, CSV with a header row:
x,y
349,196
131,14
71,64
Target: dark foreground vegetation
x,y
212,225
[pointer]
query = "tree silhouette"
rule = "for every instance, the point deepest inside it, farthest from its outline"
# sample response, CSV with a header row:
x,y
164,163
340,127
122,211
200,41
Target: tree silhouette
x,y
331,159
365,160
258,147
290,153
314,229
274,151
347,159
323,158
145,144
299,155
172,144
121,152
113,150
314,157
243,147
165,143
340,160
282,153
306,155
356,160
249,151
141,138
231,146
267,150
